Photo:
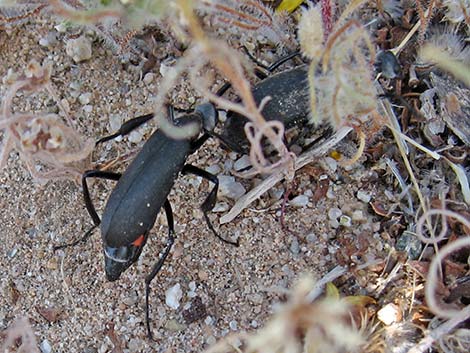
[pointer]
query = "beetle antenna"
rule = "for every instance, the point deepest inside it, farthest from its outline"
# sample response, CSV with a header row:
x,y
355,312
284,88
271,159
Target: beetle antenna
x,y
82,239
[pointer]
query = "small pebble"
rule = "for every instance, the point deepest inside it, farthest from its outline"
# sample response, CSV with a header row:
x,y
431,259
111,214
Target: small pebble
x,y
49,40
276,194
134,345
173,296
363,196
389,314
221,207
312,238
213,169
410,243
45,347
174,326
166,70
294,246
136,136
345,221
230,188
358,215
330,194
209,320
84,98
331,163
11,254
211,340
78,49
88,108
299,201
334,213
149,78
132,299
61,27
242,163
115,121
233,325
228,165
334,223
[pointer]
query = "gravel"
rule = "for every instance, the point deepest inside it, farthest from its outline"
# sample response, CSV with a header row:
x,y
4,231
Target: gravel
x,y
234,284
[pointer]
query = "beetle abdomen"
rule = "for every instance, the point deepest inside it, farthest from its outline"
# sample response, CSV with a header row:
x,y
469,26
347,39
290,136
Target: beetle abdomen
x,y
136,200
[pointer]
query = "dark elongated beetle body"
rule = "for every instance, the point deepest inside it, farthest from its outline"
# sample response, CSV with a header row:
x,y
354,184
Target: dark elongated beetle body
x,y
289,103
142,191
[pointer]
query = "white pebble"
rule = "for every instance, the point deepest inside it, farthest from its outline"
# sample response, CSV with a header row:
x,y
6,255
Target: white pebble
x,y
213,169
149,78
192,286
135,136
173,296
233,325
49,40
211,340
363,196
78,49
115,121
299,201
61,27
221,207
45,347
209,320
331,163
389,314
275,193
167,70
230,188
242,163
358,215
84,98
88,108
334,213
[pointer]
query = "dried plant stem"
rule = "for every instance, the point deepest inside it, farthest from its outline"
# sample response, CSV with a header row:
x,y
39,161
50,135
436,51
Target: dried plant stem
x,y
359,152
81,15
454,317
407,38
276,177
397,135
229,65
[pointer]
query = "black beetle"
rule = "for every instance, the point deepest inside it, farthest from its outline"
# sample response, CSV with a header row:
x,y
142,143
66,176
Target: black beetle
x,y
142,190
289,103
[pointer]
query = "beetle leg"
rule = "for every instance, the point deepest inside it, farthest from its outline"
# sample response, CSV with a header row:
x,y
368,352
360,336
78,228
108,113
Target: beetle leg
x,y
76,242
86,193
158,265
89,204
281,61
127,127
209,202
195,145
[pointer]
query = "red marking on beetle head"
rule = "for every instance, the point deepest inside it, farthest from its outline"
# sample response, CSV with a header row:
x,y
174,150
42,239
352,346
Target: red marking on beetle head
x,y
139,241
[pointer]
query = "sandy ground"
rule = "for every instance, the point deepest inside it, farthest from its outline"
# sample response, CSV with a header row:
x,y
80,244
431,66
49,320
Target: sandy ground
x,y
238,288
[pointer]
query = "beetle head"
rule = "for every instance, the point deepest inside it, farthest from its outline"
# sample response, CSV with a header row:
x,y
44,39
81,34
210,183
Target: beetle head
x,y
210,115
117,260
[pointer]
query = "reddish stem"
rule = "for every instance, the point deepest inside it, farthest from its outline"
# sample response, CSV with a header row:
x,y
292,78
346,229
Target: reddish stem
x,y
327,17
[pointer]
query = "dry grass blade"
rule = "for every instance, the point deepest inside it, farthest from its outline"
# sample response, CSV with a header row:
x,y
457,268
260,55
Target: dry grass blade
x,y
276,177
